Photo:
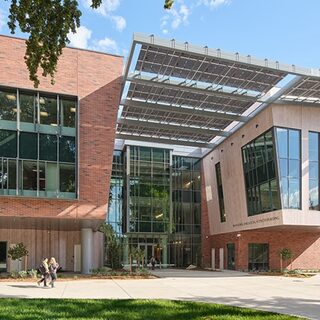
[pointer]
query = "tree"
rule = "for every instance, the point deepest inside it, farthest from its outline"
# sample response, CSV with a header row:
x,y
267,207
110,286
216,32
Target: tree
x,y
113,246
17,252
285,255
48,24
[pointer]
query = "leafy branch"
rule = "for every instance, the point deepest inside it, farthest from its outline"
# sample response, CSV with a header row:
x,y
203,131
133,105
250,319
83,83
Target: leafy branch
x,y
48,24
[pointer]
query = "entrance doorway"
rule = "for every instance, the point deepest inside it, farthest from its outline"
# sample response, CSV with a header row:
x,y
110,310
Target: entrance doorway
x,y
230,256
149,251
3,256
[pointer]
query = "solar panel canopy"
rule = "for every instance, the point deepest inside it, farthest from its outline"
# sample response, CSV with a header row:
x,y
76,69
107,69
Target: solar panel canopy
x,y
177,93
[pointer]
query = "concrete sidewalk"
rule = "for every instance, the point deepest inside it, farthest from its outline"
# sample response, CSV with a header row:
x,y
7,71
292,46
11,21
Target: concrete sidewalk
x,y
279,294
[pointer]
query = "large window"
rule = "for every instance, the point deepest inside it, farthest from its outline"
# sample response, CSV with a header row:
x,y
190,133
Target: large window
x,y
260,175
314,170
20,108
220,193
258,256
289,159
37,144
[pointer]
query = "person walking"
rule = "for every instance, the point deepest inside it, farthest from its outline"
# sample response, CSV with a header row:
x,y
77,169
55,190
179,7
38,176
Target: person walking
x,y
44,270
53,268
153,262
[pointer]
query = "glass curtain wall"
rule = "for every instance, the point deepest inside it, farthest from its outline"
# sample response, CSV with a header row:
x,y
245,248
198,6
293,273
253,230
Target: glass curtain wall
x,y
156,205
148,205
185,239
259,161
149,190
114,217
314,171
37,148
289,159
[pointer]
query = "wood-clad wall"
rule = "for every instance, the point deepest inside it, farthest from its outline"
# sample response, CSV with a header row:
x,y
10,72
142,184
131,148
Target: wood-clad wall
x,y
43,243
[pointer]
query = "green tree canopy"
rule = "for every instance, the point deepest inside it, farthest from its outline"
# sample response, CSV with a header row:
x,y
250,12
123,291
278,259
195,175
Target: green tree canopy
x,y
48,24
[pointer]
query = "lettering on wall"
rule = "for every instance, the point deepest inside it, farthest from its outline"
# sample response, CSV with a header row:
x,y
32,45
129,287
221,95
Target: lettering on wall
x,y
257,221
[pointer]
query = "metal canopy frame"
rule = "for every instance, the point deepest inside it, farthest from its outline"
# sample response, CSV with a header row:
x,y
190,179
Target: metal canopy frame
x,y
182,94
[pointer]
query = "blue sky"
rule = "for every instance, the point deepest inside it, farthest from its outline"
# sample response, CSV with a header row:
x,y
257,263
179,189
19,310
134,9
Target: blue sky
x,y
284,30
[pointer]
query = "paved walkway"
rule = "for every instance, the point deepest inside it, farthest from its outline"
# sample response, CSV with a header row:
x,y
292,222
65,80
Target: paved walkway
x,y
280,294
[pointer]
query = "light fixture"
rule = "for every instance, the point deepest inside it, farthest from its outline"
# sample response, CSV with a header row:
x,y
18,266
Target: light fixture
x,y
54,124
44,113
159,216
11,97
72,109
42,101
15,110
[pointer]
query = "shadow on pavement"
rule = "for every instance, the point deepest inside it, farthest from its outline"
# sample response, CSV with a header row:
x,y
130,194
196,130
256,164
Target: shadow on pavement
x,y
183,273
291,306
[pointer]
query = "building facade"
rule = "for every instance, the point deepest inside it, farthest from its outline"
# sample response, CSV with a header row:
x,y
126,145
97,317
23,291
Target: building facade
x,y
270,179
212,158
55,164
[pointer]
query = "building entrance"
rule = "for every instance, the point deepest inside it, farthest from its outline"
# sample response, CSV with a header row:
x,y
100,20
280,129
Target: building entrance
x,y
151,250
3,256
230,256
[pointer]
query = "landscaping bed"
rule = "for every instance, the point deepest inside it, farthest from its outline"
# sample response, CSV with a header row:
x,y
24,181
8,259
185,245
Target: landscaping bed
x,y
101,273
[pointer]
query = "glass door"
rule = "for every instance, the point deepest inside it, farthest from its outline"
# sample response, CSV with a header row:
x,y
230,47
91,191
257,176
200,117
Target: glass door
x,y
230,256
3,256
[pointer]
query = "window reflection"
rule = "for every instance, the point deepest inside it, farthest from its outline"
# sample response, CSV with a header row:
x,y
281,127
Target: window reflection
x,y
314,171
67,149
67,178
48,147
27,107
29,176
68,113
8,105
28,145
8,143
290,166
260,174
48,110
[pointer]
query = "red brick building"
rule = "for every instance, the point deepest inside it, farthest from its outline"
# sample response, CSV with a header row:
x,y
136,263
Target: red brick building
x,y
53,200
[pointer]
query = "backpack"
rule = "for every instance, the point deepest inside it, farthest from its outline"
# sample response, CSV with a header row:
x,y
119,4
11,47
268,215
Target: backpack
x,y
42,269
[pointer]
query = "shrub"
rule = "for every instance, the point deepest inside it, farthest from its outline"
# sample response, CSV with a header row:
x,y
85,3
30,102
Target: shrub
x,y
101,271
32,273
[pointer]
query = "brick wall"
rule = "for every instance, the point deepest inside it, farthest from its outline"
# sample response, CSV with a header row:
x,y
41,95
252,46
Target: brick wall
x,y
96,79
304,245
205,228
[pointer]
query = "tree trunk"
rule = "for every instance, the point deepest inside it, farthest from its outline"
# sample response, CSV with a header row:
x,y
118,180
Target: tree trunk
x,y
281,269
130,261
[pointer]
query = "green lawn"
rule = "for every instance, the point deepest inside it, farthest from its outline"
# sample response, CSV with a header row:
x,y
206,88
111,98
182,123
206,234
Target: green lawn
x,y
34,309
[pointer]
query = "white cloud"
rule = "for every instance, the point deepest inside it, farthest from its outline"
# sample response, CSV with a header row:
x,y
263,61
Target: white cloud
x,y
106,9
83,39
120,22
105,45
176,16
213,3
80,38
